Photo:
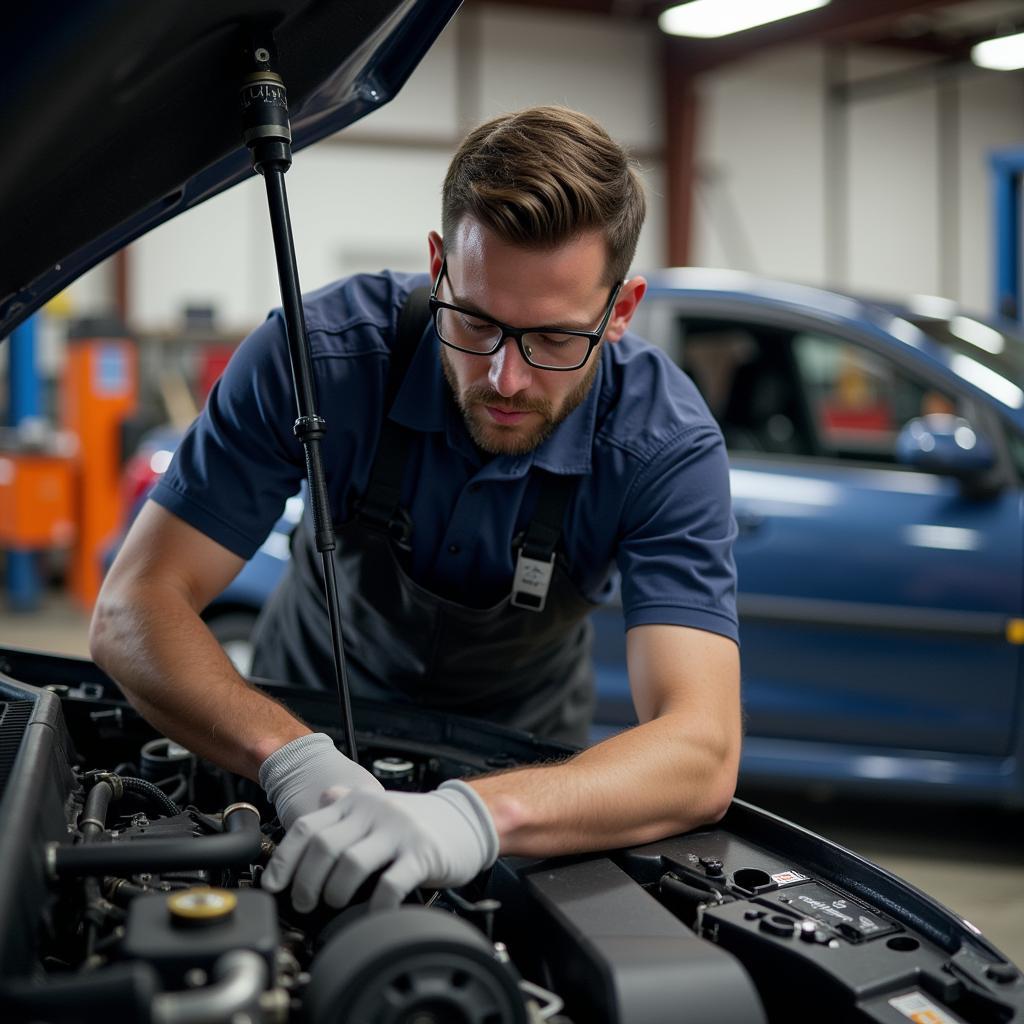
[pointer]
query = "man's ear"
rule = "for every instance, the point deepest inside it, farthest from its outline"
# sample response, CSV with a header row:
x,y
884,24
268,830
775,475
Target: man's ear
x,y
626,302
436,244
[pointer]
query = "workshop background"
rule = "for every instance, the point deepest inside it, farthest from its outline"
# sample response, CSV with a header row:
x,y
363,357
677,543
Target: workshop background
x,y
856,147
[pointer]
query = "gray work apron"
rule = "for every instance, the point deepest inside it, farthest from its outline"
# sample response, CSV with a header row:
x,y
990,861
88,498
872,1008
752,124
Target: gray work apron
x,y
523,668
531,670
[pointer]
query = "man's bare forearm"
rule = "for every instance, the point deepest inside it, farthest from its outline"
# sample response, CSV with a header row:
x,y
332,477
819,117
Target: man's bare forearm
x,y
172,670
660,778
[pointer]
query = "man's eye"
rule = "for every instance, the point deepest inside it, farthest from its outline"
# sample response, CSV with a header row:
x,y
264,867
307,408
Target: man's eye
x,y
475,325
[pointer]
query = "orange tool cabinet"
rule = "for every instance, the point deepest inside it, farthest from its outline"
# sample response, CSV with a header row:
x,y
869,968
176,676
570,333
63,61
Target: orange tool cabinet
x,y
36,500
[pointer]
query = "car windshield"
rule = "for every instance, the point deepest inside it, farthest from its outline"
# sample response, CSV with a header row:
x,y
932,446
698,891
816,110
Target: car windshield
x,y
999,348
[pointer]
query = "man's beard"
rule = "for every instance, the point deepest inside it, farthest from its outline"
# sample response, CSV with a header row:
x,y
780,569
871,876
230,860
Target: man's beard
x,y
496,439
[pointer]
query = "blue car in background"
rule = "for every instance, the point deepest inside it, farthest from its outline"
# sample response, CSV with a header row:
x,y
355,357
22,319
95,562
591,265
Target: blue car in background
x,y
877,456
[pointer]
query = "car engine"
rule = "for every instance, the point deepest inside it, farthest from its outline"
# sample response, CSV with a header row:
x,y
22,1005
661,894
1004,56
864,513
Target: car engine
x,y
130,892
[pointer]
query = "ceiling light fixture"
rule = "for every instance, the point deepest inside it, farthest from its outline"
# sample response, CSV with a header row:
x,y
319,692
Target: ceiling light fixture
x,y
708,19
1003,54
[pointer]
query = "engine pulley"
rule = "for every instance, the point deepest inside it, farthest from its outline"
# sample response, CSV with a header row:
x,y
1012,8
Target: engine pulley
x,y
412,965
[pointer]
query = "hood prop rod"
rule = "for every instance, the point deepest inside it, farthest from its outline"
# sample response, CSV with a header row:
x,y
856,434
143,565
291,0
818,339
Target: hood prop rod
x,y
267,133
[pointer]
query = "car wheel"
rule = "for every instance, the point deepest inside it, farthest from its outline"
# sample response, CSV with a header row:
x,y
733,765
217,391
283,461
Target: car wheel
x,y
233,631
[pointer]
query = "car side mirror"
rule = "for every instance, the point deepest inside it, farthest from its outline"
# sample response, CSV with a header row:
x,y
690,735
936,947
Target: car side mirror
x,y
945,444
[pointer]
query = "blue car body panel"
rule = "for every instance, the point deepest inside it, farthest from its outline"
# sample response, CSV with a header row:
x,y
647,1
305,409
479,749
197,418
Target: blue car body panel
x,y
876,601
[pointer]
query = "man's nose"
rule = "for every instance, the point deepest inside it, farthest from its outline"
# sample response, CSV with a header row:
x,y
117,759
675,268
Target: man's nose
x,y
509,372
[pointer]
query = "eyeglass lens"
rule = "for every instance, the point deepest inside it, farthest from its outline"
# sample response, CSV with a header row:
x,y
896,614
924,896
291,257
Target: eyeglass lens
x,y
547,349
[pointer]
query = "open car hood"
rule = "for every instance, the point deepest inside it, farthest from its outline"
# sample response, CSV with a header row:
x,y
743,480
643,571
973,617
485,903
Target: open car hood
x,y
120,115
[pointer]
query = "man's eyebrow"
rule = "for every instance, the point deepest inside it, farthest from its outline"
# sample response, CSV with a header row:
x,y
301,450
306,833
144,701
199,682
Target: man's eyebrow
x,y
569,325
470,307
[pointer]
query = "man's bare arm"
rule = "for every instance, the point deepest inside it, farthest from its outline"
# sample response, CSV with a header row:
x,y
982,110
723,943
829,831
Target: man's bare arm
x,y
147,635
675,770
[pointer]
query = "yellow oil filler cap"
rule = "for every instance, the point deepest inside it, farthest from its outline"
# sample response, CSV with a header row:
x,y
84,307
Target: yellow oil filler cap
x,y
201,906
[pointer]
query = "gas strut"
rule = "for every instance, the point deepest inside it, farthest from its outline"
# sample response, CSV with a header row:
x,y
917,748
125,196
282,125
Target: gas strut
x,y
268,135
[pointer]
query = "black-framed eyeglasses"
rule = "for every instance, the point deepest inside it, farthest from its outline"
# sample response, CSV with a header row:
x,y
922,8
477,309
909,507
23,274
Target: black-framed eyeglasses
x,y
546,348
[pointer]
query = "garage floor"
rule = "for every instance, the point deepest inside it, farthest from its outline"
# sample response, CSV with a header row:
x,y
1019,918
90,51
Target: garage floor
x,y
969,859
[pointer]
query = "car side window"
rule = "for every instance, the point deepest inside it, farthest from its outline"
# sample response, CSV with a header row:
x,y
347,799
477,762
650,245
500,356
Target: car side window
x,y
747,375
859,400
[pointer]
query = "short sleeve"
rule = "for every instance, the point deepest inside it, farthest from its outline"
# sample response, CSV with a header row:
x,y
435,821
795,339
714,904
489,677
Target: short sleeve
x,y
675,554
239,461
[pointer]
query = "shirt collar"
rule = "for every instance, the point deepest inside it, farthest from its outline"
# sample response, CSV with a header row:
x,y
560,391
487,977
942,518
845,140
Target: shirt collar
x,y
569,449
424,402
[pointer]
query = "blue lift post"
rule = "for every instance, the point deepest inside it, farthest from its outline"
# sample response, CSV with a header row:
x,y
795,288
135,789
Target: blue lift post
x,y
1007,167
24,587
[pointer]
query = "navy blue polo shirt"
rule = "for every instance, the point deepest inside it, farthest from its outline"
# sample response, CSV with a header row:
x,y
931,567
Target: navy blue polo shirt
x,y
653,498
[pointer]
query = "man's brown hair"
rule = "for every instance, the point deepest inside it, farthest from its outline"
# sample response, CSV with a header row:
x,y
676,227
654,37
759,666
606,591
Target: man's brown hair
x,y
542,176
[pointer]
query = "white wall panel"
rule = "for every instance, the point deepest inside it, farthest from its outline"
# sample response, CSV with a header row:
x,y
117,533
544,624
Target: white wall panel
x,y
759,205
364,208
893,199
762,160
210,255
651,248
606,67
90,294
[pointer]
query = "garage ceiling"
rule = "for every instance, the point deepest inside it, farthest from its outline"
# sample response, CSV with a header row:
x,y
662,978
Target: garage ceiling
x,y
947,28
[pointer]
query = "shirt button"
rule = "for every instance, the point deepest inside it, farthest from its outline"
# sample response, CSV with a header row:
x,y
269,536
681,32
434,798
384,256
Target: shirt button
x,y
474,488
453,549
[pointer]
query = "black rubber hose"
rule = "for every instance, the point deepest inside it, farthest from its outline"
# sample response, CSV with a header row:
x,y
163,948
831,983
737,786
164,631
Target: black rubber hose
x,y
120,992
93,819
238,845
683,898
144,788
180,791
92,823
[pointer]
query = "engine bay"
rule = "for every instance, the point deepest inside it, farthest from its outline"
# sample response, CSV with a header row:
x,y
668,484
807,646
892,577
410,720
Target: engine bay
x,y
131,891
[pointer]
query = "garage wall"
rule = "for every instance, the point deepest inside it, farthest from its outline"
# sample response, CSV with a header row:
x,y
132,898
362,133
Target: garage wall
x,y
885,194
760,183
367,199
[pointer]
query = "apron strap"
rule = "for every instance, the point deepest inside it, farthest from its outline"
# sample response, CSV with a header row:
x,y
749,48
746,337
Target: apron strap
x,y
380,506
535,560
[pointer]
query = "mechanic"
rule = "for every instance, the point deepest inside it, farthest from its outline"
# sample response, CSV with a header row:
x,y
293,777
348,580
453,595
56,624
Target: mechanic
x,y
564,450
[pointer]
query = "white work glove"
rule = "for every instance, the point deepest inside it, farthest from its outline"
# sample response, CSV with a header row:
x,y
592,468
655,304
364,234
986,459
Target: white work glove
x,y
438,839
295,776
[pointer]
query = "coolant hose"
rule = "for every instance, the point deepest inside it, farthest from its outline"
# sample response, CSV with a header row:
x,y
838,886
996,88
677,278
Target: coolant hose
x,y
238,845
93,819
91,823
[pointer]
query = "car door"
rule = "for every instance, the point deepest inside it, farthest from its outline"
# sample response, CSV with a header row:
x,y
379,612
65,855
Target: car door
x,y
874,599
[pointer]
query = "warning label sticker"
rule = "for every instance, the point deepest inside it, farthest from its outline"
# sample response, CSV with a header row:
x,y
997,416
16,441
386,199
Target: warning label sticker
x,y
917,1007
784,877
